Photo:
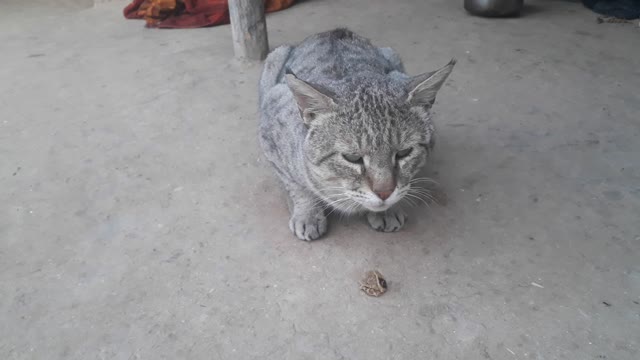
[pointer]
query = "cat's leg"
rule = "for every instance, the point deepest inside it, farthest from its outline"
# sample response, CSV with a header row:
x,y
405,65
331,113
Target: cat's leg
x,y
388,221
308,220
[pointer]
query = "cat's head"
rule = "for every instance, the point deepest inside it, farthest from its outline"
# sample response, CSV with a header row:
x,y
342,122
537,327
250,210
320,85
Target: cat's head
x,y
364,147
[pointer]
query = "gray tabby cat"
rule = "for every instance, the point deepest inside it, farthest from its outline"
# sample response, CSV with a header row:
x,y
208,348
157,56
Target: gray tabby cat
x,y
345,128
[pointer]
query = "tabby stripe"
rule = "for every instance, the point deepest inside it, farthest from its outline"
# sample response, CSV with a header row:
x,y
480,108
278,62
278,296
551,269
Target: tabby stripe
x,y
324,158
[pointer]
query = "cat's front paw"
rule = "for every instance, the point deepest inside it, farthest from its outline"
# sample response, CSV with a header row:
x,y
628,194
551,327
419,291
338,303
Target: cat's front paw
x,y
388,221
308,227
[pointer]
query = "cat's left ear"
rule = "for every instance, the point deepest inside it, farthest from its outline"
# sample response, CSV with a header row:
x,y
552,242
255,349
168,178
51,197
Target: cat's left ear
x,y
311,102
423,88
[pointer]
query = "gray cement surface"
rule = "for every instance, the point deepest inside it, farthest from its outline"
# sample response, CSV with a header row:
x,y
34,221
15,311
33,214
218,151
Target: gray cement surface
x,y
138,219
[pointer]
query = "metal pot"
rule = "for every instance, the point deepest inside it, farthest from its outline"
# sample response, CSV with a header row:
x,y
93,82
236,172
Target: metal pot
x,y
494,8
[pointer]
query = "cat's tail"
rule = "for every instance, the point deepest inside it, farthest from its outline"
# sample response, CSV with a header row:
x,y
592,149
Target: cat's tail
x,y
274,69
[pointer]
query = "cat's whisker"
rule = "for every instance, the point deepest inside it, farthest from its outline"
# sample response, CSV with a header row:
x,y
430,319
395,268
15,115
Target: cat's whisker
x,y
315,202
427,195
354,205
340,202
338,207
410,196
332,211
420,199
335,203
423,180
329,199
427,199
422,191
409,200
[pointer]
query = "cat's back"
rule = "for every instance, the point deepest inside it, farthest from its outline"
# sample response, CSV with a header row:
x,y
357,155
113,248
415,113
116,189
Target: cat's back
x,y
336,55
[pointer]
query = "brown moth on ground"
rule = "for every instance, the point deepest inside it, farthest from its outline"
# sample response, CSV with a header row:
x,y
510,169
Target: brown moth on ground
x,y
374,283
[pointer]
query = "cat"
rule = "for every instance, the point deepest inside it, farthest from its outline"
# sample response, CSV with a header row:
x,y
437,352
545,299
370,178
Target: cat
x,y
345,128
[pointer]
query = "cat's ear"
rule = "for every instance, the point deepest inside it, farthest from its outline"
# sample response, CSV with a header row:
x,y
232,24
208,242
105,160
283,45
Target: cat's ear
x,y
423,88
311,102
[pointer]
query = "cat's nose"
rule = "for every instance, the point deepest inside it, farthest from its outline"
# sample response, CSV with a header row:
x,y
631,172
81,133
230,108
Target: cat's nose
x,y
384,195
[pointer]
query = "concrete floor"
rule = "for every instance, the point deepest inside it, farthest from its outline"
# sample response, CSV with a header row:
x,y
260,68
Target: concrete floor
x,y
138,219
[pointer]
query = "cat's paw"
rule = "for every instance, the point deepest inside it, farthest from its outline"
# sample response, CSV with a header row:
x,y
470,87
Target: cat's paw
x,y
308,227
388,221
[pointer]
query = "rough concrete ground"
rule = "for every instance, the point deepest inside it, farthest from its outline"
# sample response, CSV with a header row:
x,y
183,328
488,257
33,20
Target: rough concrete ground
x,y
138,219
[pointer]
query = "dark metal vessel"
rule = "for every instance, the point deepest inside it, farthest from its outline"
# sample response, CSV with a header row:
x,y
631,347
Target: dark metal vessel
x,y
494,8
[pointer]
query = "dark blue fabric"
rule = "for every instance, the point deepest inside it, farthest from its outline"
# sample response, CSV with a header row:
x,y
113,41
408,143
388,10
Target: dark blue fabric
x,y
623,9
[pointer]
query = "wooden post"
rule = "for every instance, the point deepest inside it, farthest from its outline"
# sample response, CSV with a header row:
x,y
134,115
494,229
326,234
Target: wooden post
x,y
249,29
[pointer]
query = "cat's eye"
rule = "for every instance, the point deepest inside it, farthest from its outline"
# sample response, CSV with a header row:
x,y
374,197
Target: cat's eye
x,y
403,153
352,158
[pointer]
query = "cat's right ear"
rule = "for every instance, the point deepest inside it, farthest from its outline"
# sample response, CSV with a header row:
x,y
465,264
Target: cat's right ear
x,y
423,88
311,102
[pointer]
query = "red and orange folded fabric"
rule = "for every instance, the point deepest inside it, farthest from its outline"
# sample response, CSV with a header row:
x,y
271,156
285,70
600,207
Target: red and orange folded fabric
x,y
180,14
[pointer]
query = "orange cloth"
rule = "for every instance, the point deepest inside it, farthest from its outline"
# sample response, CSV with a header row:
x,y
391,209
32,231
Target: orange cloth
x,y
188,13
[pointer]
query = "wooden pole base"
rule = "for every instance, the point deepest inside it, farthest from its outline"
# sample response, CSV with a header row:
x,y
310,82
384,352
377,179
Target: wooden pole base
x,y
249,29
